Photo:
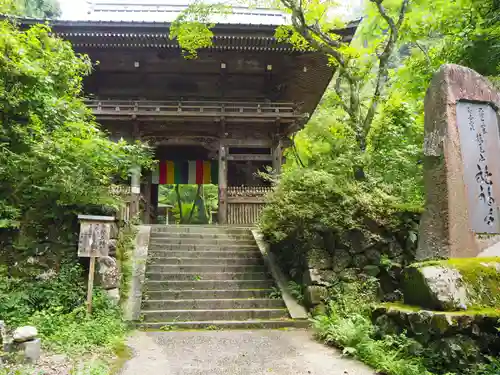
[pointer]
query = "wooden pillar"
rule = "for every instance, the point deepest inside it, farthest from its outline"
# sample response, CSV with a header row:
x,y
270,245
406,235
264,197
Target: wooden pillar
x,y
277,152
147,197
154,201
222,214
135,180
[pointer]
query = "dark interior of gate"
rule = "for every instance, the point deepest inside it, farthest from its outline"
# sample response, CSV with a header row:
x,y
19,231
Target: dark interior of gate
x,y
232,109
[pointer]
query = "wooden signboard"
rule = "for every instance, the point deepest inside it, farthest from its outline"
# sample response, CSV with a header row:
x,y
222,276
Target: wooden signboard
x,y
93,243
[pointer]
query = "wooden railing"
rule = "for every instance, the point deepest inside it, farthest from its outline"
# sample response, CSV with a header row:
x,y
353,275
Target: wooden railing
x,y
134,109
123,213
245,204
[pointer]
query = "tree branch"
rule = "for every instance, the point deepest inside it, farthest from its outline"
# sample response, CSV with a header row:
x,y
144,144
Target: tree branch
x,y
426,54
383,70
328,45
296,153
338,82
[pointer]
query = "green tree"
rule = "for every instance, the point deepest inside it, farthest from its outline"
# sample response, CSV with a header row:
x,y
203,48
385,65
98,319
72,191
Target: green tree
x,y
55,160
362,73
32,8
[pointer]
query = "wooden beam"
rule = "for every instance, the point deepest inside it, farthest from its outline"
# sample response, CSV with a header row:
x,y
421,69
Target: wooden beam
x,y
211,118
255,157
250,143
240,200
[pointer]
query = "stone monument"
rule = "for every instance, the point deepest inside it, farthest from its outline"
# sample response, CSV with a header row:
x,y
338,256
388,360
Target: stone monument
x,y
461,165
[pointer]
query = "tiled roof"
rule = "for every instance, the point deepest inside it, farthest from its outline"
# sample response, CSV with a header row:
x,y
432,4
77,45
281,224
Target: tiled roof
x,y
167,11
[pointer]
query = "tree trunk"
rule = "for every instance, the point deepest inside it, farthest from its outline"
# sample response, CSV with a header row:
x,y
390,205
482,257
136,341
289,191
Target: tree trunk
x,y
179,203
194,203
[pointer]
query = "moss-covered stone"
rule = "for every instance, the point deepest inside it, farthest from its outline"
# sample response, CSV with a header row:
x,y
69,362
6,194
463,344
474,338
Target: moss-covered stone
x,y
450,340
430,326
454,284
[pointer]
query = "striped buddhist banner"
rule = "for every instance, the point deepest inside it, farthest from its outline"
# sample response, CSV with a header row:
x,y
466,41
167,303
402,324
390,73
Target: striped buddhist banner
x,y
186,172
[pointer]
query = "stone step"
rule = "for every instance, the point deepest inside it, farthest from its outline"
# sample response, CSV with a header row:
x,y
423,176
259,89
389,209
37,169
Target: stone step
x,y
204,254
211,304
203,315
187,276
227,324
189,261
201,268
209,285
192,235
200,241
197,229
193,247
207,294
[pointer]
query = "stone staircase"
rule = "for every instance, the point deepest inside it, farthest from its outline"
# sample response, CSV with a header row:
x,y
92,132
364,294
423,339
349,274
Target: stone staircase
x,y
209,277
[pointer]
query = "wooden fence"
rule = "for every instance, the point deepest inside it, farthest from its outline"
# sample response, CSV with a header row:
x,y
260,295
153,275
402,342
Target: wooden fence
x,y
123,212
245,204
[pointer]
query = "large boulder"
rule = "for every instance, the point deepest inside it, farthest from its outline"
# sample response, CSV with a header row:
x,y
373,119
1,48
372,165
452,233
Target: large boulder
x,y
341,260
454,284
108,273
319,258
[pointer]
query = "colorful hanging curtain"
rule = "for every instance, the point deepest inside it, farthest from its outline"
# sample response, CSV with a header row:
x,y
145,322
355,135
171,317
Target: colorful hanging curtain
x,y
186,172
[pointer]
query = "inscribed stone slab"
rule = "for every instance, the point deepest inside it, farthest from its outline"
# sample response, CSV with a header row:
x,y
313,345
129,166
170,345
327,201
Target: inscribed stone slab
x,y
480,148
461,129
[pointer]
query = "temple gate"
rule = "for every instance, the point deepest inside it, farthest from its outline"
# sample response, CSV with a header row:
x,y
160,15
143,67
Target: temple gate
x,y
220,117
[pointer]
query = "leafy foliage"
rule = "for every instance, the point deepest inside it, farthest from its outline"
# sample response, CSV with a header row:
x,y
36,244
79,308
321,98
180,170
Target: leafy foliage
x,y
297,291
347,324
193,28
55,304
54,159
32,8
55,162
194,208
125,245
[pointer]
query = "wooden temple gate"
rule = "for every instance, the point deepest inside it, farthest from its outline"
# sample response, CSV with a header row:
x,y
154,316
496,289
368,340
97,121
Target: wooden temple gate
x,y
236,104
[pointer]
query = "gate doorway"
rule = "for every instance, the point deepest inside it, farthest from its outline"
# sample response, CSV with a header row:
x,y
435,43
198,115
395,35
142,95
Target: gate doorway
x,y
184,190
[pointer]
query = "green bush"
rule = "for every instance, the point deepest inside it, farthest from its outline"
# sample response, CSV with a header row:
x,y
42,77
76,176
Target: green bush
x,y
347,324
56,306
76,332
20,298
312,209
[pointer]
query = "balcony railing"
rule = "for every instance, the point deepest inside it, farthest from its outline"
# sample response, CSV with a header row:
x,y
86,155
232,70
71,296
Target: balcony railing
x,y
166,109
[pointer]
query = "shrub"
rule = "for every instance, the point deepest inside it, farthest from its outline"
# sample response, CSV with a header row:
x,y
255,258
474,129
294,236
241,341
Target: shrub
x,y
347,324
76,332
314,209
56,306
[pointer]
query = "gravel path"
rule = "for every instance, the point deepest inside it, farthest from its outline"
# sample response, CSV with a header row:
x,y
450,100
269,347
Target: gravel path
x,y
256,352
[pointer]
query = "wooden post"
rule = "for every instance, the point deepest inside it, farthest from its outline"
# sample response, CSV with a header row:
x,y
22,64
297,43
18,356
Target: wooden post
x,y
222,184
147,197
90,287
135,180
277,157
135,191
154,201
